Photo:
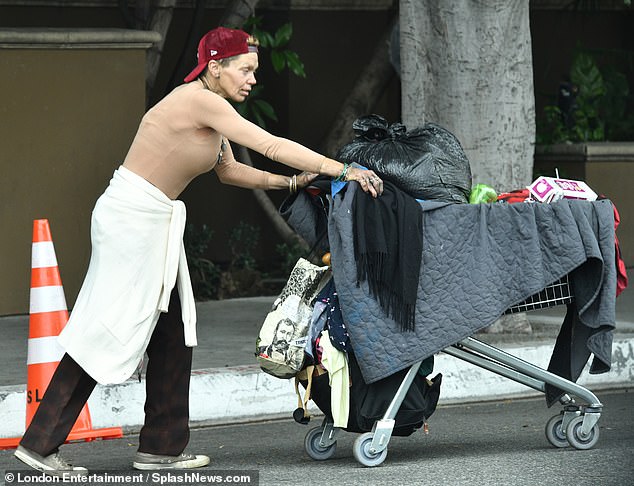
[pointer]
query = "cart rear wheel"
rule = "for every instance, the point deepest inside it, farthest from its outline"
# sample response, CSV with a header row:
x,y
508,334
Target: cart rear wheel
x,y
554,433
314,449
362,453
577,438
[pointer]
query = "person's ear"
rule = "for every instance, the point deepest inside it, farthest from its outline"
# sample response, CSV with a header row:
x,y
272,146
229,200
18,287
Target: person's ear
x,y
214,68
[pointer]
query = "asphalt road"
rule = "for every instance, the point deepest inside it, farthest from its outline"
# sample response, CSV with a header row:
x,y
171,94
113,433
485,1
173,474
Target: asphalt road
x,y
493,443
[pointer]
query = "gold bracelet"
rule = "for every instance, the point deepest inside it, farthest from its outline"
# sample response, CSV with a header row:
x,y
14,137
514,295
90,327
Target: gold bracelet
x,y
292,184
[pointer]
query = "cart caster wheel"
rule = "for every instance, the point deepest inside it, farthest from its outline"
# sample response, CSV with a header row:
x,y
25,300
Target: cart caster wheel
x,y
577,438
554,433
314,449
361,451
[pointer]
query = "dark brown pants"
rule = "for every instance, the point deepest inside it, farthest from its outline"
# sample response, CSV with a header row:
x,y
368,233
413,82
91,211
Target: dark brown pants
x,y
166,428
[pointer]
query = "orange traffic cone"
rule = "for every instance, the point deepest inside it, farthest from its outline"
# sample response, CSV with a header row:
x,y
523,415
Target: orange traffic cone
x,y
48,315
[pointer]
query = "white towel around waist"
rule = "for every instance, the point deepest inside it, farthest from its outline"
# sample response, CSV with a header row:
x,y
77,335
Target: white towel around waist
x,y
138,256
175,258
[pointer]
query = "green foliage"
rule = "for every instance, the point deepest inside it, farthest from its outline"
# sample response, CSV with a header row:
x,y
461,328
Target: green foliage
x,y
255,108
277,43
619,124
553,130
205,275
589,125
242,278
289,255
599,111
243,240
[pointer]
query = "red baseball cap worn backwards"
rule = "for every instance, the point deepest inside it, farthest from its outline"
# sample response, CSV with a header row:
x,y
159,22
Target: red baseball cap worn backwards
x,y
220,43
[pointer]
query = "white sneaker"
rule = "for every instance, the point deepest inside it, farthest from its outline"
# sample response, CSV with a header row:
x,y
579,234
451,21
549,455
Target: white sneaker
x,y
52,465
151,462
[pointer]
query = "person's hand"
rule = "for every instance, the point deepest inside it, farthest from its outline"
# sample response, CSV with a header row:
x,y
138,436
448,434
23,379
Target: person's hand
x,y
367,179
305,178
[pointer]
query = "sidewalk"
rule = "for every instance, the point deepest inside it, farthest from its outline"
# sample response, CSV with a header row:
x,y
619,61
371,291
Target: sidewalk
x,y
228,387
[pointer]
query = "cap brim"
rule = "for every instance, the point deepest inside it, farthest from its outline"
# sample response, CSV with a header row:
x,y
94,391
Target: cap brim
x,y
195,73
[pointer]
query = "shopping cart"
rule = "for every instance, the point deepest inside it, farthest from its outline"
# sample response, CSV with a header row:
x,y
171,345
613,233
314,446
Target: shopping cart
x,y
576,424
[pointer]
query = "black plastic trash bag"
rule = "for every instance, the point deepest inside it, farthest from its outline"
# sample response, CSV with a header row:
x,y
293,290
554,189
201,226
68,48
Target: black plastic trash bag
x,y
427,162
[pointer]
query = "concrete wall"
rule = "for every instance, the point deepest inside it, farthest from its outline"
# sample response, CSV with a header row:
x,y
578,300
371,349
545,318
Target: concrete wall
x,y
71,102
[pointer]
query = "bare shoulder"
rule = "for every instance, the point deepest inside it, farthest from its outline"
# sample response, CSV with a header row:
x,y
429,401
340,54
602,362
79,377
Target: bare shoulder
x,y
206,97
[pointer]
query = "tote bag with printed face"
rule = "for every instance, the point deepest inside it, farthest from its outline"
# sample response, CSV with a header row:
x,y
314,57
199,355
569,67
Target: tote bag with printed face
x,y
283,337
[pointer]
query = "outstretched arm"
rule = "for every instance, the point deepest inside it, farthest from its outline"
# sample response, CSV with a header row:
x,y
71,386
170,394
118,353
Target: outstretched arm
x,y
214,111
230,171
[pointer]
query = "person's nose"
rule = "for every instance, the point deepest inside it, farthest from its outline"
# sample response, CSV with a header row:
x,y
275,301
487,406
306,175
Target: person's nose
x,y
251,80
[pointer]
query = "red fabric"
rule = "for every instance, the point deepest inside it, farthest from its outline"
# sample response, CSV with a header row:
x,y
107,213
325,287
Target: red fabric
x,y
519,195
621,273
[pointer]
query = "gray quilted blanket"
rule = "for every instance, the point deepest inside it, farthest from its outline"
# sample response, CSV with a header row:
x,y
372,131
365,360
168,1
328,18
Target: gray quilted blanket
x,y
479,260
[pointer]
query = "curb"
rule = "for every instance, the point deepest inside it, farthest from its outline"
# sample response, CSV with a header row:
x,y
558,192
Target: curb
x,y
244,393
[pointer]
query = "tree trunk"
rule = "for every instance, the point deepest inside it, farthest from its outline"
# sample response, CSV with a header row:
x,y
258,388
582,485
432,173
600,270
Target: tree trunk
x,y
468,66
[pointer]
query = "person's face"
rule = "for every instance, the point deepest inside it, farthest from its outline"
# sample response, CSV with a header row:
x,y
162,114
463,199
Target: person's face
x,y
238,76
283,335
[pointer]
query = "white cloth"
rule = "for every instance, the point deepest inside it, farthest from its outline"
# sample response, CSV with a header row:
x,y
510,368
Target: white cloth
x,y
336,362
137,257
